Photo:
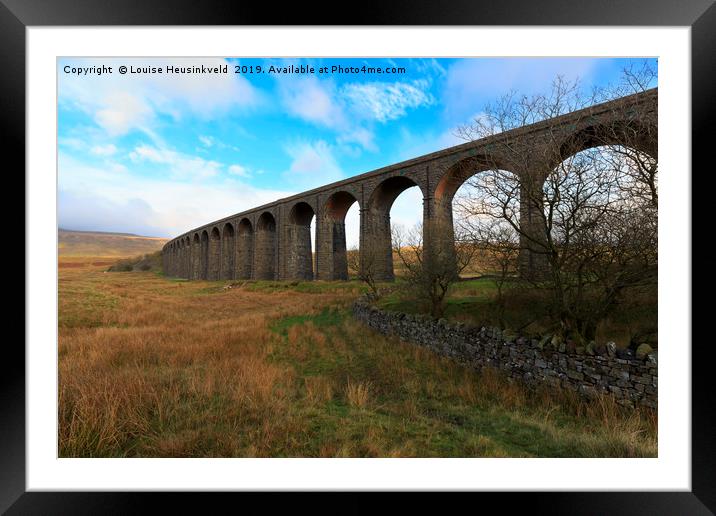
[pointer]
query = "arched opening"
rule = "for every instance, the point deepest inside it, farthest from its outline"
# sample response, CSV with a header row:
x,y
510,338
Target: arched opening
x,y
332,248
376,248
228,252
475,217
214,265
245,250
601,208
352,222
629,148
299,259
265,250
204,267
638,137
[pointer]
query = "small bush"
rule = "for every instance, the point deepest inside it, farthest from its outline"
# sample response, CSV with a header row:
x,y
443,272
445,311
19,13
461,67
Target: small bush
x,y
144,263
122,266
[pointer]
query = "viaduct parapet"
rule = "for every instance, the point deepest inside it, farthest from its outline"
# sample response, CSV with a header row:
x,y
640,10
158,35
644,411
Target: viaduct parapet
x,y
273,241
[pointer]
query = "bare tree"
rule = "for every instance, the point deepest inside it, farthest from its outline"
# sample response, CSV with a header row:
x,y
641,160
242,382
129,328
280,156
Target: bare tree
x,y
430,271
496,246
593,216
364,267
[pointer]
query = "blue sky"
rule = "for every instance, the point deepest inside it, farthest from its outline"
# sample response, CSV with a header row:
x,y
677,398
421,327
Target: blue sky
x,y
158,154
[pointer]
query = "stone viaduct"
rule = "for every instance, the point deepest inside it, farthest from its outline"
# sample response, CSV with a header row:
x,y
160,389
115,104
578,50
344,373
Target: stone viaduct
x,y
273,241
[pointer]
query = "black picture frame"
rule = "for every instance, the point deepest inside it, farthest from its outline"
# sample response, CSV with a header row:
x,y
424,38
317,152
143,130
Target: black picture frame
x,y
700,15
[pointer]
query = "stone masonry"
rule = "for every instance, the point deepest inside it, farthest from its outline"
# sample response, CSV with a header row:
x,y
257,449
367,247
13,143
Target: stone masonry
x,y
273,241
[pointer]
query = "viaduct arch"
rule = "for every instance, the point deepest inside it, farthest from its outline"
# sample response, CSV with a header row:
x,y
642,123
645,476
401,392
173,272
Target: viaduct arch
x,y
274,241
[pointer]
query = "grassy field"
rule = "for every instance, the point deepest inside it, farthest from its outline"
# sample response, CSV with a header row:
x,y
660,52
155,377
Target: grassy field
x,y
154,367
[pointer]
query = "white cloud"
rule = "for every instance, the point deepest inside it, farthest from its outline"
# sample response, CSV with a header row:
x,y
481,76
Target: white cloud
x,y
311,100
179,165
212,141
83,212
122,103
429,67
103,150
359,135
72,143
116,167
387,100
320,103
91,197
238,170
121,112
312,165
207,141
149,153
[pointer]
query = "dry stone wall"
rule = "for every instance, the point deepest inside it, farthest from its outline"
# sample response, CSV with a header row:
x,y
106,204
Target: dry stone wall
x,y
631,381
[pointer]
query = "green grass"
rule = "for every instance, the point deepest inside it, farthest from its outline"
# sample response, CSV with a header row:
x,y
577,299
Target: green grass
x,y
306,287
422,401
468,301
327,317
85,307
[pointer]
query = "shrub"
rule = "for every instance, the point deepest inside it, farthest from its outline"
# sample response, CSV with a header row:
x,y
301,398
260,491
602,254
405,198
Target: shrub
x,y
145,262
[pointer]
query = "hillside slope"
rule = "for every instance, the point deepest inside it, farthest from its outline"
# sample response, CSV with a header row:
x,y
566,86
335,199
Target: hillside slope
x,y
86,243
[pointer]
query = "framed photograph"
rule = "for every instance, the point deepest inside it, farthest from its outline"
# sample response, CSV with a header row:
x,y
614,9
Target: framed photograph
x,y
418,253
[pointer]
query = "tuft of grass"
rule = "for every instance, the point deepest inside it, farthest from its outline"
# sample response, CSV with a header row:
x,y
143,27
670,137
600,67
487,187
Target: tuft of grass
x,y
357,393
319,389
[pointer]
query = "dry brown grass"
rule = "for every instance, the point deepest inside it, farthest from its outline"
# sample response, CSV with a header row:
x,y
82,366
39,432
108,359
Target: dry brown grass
x,y
357,393
161,368
481,263
137,351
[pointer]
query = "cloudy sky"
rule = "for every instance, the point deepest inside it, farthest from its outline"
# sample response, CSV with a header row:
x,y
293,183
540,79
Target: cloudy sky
x,y
158,154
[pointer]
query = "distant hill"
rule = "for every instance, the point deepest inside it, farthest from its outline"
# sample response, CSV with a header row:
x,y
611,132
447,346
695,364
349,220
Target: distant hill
x,y
99,243
63,230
